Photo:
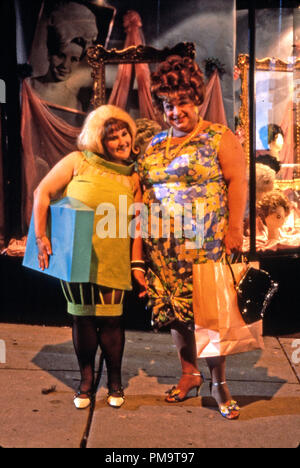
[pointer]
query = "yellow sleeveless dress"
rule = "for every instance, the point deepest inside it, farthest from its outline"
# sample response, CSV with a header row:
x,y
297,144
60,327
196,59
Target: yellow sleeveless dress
x,y
107,188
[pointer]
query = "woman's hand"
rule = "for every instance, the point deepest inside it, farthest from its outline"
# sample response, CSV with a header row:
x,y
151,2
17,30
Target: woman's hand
x,y
44,248
233,240
139,276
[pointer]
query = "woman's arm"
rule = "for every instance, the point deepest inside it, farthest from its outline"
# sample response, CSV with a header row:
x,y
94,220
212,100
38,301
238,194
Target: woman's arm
x,y
233,165
54,182
137,243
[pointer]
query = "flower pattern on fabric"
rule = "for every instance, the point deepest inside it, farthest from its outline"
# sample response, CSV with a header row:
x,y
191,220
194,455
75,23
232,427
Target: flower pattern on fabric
x,y
181,182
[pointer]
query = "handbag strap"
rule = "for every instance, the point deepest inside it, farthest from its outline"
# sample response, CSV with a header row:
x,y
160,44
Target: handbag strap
x,y
231,270
246,261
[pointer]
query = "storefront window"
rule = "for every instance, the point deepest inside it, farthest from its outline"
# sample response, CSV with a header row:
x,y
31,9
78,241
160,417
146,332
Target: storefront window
x,y
276,133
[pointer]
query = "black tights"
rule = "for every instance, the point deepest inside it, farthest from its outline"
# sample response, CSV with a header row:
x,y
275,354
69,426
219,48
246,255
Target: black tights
x,y
106,332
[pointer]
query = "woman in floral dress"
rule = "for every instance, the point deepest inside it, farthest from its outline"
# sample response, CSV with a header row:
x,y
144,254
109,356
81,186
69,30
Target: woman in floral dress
x,y
195,172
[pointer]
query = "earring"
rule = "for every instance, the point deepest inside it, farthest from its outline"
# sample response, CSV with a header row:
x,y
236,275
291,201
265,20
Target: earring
x,y
196,110
165,118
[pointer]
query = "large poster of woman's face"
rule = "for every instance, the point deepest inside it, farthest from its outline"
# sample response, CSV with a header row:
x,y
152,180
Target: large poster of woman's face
x,y
65,30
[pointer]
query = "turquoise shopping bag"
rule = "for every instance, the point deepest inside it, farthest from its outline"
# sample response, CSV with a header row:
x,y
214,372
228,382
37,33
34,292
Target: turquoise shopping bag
x,y
70,230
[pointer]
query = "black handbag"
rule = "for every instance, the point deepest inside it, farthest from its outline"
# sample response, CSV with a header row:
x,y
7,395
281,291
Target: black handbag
x,y
254,292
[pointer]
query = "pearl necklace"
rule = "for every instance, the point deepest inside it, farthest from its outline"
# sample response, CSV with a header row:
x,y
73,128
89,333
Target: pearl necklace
x,y
185,142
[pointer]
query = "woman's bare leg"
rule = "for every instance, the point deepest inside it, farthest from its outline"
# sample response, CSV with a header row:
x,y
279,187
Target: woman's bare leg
x,y
185,343
217,367
184,339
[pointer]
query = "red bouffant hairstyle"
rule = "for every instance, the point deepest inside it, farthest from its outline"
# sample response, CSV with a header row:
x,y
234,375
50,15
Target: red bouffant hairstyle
x,y
177,74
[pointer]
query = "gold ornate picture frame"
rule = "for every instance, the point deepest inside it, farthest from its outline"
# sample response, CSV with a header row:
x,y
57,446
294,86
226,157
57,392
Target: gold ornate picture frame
x,y
99,57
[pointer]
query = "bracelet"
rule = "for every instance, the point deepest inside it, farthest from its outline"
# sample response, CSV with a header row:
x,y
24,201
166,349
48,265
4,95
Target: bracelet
x,y
138,269
138,265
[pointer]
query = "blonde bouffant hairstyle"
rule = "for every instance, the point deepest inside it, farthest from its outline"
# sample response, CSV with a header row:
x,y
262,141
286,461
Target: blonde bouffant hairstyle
x,y
94,128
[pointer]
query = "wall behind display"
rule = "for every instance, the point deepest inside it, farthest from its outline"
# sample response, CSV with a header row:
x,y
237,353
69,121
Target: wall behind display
x,y
210,24
274,32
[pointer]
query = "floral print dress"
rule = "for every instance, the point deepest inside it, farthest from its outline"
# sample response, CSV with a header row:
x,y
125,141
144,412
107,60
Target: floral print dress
x,y
186,199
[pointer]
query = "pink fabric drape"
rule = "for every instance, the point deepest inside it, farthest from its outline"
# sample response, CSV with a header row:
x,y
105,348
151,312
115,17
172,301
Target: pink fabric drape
x,y
45,139
212,108
119,95
287,151
2,214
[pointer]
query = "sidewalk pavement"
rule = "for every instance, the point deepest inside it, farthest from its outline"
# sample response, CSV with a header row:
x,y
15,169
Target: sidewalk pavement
x,y
40,375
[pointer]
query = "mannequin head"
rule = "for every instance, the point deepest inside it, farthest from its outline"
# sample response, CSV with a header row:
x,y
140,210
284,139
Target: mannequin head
x,y
273,209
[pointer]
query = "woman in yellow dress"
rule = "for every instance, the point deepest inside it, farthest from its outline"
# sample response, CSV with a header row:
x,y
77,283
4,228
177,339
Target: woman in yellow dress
x,y
98,174
194,163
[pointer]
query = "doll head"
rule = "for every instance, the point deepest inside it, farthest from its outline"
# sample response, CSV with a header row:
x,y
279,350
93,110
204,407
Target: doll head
x,y
265,178
273,209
